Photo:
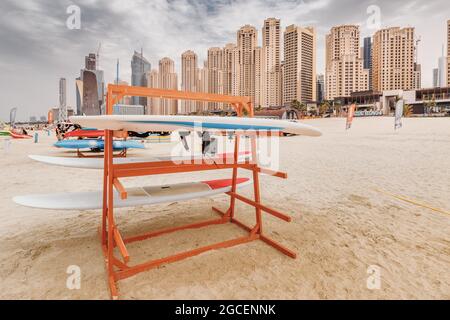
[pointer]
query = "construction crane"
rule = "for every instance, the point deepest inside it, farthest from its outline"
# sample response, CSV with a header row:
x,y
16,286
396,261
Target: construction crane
x,y
98,55
418,40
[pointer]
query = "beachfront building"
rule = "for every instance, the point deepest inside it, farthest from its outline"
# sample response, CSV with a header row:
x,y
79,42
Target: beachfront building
x,y
394,65
189,75
278,113
164,78
153,104
139,68
247,58
345,72
271,85
367,101
228,67
168,79
299,70
430,101
214,63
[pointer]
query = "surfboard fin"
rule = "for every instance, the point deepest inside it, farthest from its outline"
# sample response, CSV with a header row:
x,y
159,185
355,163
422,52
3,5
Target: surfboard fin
x,y
183,136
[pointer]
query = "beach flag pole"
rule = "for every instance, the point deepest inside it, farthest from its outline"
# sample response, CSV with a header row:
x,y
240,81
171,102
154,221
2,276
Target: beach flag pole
x,y
350,116
399,114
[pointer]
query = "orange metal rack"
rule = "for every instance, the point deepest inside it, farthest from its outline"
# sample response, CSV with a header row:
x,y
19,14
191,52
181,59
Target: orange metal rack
x,y
111,238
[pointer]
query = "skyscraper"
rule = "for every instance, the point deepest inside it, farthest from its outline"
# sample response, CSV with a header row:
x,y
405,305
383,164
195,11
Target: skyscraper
x,y
417,76
394,65
270,64
299,74
245,82
345,71
448,53
435,77
90,88
320,88
202,86
153,104
139,68
189,80
62,100
442,70
228,60
214,63
367,56
168,79
79,94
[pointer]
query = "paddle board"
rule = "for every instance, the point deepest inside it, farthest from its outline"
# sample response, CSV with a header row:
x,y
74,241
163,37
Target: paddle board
x,y
136,196
20,136
145,123
97,163
84,134
97,144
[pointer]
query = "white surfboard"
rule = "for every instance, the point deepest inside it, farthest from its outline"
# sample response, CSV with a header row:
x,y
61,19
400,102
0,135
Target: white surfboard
x,y
98,163
136,196
147,123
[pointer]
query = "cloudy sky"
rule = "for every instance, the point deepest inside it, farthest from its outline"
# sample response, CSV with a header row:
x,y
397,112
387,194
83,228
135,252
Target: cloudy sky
x,y
37,48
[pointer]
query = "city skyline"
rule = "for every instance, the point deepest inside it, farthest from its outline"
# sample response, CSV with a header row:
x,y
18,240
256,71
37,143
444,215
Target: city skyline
x,y
48,50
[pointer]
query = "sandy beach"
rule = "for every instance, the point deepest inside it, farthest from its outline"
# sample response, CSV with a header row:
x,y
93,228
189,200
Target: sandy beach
x,y
342,223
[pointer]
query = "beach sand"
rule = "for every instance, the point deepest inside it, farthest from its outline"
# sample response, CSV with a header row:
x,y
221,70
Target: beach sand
x,y
341,224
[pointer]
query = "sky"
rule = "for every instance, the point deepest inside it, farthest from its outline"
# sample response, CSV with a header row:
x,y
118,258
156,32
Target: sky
x,y
37,47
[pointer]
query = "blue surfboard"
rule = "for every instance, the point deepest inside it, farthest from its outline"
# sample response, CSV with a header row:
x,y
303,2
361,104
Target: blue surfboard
x,y
97,144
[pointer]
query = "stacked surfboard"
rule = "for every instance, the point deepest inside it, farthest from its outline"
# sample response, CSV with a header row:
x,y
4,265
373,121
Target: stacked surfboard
x,y
148,195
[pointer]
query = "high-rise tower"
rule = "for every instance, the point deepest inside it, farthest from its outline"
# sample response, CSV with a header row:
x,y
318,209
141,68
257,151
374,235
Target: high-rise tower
x,y
270,64
394,63
139,68
189,79
299,70
345,71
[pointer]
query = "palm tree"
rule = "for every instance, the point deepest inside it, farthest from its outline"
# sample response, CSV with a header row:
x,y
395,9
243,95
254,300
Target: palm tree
x,y
296,105
407,110
324,107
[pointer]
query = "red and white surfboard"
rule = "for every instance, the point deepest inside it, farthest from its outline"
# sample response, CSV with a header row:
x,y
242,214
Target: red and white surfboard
x,y
84,134
20,136
136,196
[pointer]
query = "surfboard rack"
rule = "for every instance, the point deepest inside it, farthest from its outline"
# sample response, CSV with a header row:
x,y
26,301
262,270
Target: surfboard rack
x,y
120,154
112,239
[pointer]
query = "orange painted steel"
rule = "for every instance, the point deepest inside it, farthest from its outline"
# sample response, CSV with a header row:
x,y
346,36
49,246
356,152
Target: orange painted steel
x,y
117,92
110,236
